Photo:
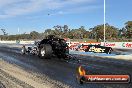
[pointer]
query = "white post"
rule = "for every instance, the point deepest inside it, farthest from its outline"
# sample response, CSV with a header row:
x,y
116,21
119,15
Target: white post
x,y
18,30
104,22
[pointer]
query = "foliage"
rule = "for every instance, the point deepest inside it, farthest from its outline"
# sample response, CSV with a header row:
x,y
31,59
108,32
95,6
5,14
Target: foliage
x,y
97,32
34,35
4,32
128,26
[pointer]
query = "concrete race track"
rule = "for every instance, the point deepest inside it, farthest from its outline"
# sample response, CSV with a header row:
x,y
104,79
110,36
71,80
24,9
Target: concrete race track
x,y
28,71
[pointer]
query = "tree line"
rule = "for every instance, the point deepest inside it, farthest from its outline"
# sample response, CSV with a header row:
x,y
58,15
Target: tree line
x,y
97,33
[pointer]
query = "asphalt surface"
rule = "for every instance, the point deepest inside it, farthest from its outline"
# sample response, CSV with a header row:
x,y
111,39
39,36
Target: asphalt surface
x,y
29,71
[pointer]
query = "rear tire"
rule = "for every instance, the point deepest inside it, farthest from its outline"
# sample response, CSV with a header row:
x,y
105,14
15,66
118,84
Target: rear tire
x,y
45,51
110,50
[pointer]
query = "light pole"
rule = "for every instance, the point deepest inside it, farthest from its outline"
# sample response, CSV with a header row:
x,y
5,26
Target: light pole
x,y
104,22
18,30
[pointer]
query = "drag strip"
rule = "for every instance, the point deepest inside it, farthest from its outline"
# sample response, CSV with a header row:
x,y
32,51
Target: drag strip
x,y
51,73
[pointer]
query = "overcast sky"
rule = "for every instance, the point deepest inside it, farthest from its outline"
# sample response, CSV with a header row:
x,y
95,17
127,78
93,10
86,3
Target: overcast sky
x,y
37,15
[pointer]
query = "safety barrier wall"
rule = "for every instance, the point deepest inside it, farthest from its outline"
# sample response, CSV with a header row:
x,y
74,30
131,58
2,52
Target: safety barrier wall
x,y
10,42
17,42
127,45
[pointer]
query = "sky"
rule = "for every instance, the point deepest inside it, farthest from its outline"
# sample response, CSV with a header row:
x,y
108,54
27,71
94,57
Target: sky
x,y
38,15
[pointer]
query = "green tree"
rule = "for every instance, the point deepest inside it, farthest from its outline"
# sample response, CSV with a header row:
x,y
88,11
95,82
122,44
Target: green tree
x,y
98,32
34,35
128,26
4,32
65,29
58,28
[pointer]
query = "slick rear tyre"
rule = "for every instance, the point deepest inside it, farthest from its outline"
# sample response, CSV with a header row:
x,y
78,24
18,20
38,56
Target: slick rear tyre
x,y
110,50
45,51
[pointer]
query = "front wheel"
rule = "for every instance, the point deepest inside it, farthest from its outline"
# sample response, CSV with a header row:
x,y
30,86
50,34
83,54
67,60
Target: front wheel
x,y
45,51
23,50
